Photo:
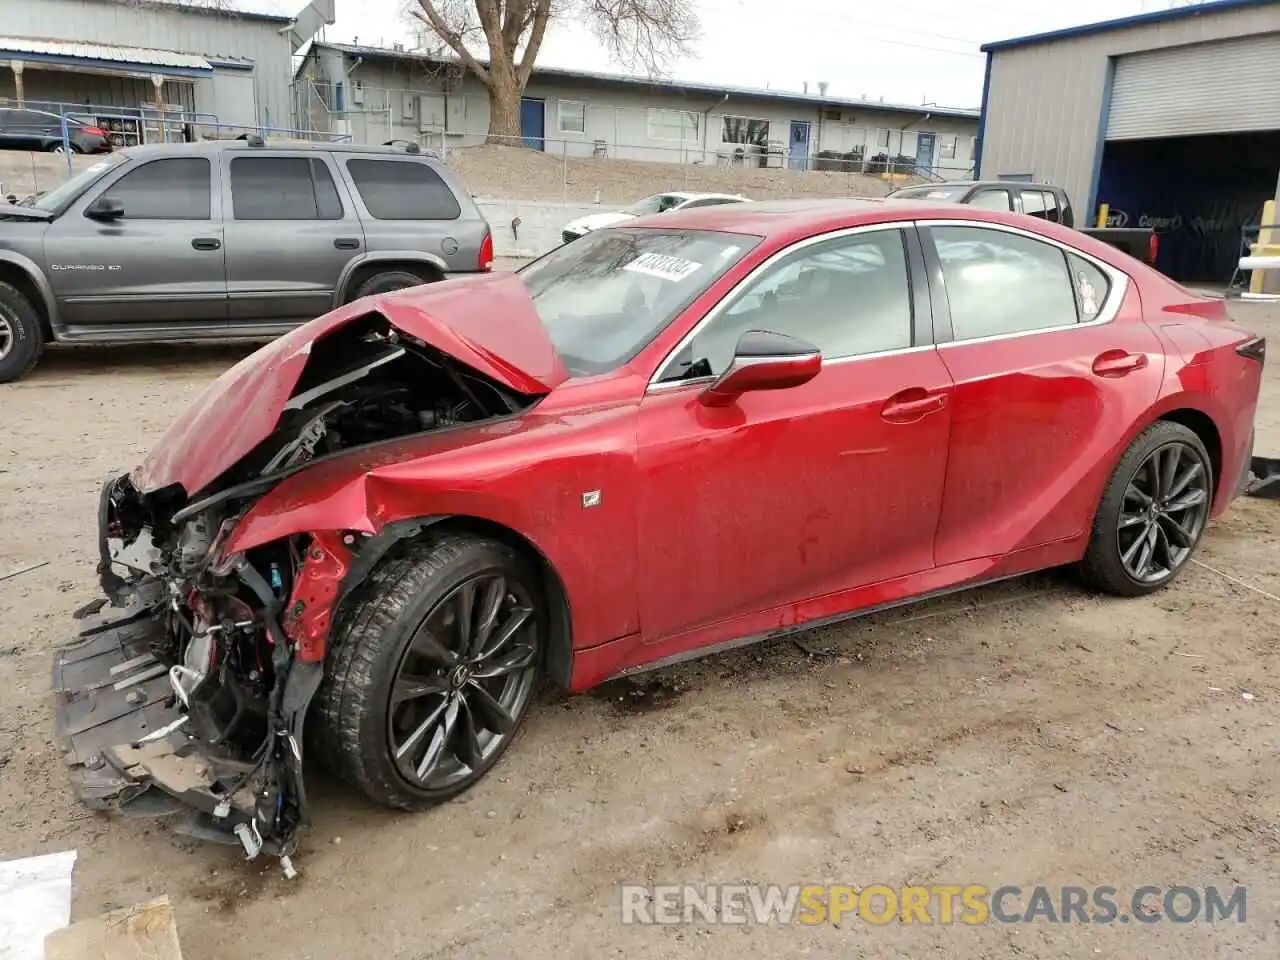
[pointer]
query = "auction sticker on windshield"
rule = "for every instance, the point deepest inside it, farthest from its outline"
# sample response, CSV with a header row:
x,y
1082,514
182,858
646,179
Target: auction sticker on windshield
x,y
663,266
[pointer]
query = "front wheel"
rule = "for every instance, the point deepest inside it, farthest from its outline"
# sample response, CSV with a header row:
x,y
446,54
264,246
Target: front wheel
x,y
1153,512
431,671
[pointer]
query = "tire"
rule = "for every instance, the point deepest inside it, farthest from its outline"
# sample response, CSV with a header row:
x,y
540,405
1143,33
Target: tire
x,y
1108,562
56,147
387,282
358,729
21,339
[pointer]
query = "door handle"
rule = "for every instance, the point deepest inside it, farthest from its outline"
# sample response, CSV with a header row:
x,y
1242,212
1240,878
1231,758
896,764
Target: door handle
x,y
1118,363
206,243
347,243
915,403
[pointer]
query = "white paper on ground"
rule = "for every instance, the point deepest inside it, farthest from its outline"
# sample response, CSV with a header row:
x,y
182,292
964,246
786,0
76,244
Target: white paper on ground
x,y
35,900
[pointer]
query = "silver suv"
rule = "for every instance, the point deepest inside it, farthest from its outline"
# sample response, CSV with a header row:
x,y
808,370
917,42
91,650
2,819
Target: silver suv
x,y
225,239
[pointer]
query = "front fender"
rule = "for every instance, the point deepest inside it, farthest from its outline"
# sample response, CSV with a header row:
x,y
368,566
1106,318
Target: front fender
x,y
32,270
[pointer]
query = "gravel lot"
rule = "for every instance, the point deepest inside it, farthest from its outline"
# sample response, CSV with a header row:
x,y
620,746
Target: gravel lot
x,y
1028,733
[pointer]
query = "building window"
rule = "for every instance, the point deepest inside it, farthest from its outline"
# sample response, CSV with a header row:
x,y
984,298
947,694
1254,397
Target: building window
x,y
572,116
882,138
946,147
745,130
673,125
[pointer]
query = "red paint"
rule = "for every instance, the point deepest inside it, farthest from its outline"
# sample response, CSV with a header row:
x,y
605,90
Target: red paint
x,y
486,322
309,615
875,480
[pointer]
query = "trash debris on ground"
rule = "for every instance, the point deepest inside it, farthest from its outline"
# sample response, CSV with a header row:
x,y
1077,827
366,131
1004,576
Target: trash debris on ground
x,y
21,570
145,931
35,900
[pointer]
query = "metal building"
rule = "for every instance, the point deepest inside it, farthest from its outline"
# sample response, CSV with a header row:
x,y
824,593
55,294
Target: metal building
x,y
232,63
1171,118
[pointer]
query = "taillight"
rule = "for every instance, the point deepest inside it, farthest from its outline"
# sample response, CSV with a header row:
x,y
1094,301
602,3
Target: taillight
x,y
1255,349
94,131
486,251
1153,247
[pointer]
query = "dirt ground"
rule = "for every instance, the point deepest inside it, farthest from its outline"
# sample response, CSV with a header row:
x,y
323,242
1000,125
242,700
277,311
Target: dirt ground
x,y
1027,733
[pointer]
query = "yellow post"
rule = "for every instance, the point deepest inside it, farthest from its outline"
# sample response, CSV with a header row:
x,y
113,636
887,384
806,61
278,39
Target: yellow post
x,y
1104,211
1264,246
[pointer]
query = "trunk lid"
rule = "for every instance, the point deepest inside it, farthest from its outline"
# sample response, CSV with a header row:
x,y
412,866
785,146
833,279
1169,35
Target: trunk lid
x,y
486,322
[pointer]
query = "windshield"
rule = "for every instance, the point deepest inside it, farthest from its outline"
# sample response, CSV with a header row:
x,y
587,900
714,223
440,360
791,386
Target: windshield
x,y
61,197
604,297
658,203
939,193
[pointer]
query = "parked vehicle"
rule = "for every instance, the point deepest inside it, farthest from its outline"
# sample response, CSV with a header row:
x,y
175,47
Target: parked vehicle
x,y
697,429
40,130
225,239
1040,200
658,203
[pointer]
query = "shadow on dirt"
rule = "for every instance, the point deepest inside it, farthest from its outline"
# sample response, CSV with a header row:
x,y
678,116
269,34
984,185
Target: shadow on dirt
x,y
62,360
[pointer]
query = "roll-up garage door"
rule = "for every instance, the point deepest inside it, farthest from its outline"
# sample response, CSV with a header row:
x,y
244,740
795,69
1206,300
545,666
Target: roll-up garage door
x,y
1228,86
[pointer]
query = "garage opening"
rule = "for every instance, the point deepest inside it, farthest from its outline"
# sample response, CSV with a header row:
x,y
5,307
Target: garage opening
x,y
1197,193
1191,148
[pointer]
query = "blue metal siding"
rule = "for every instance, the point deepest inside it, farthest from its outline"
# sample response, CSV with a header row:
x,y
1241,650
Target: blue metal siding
x,y
1090,208
982,121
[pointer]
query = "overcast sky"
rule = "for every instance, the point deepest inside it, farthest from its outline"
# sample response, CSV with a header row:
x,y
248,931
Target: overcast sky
x,y
906,51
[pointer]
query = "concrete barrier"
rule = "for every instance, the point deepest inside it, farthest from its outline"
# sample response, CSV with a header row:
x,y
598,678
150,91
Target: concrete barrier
x,y
529,228
23,173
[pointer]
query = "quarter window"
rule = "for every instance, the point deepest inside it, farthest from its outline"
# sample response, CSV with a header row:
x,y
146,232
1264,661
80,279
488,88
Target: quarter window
x,y
1091,285
1000,283
403,190
848,297
173,189
283,188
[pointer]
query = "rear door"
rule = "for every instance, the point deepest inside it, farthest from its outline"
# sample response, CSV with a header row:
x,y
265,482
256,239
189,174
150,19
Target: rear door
x,y
290,233
159,264
1052,364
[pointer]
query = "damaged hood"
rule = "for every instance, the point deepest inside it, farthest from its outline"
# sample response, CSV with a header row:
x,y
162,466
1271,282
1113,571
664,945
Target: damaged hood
x,y
487,322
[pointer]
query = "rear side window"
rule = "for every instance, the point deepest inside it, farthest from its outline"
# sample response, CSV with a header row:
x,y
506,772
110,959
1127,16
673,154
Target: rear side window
x,y
283,188
1002,283
174,189
1091,285
403,190
991,200
1033,204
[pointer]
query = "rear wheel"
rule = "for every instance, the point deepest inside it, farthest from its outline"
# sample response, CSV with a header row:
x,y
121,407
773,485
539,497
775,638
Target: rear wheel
x,y
1153,513
431,671
386,282
21,340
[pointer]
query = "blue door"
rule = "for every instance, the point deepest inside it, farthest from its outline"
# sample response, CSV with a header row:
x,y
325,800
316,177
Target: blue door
x,y
799,151
924,152
533,122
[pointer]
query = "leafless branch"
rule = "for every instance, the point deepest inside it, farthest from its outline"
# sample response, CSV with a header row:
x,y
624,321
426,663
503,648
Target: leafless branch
x,y
456,23
647,35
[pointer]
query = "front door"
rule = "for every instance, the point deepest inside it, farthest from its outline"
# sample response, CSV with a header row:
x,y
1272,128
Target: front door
x,y
161,263
798,156
289,235
925,143
533,122
792,494
1033,419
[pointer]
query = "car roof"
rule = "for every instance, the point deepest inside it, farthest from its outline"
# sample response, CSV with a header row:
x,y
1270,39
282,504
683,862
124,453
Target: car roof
x,y
784,221
687,195
206,147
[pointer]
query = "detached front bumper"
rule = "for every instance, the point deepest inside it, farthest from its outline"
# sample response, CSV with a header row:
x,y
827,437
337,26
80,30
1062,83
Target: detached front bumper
x,y
121,729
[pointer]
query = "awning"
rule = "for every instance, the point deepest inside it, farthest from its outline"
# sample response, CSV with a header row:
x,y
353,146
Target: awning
x,y
102,56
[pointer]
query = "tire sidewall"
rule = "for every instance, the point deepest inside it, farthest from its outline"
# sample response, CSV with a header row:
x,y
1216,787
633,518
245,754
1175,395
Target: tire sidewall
x,y
24,326
478,557
388,282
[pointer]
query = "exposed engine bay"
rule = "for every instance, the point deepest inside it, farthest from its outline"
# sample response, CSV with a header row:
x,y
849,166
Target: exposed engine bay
x,y
193,674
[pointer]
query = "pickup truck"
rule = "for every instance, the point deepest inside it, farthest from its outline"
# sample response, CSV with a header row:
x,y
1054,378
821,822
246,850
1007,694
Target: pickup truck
x,y
1035,200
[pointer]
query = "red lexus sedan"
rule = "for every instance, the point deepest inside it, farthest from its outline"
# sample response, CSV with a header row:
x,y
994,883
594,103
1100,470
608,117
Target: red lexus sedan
x,y
665,438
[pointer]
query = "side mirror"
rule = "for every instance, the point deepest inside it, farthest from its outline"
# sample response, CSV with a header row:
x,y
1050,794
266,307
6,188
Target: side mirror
x,y
105,208
764,361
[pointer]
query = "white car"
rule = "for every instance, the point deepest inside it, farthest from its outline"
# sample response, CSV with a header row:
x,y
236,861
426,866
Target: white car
x,y
658,203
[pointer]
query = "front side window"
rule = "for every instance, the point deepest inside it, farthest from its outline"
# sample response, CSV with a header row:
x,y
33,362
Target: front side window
x,y
658,203
604,297
848,297
1002,283
403,190
173,189
283,188
572,115
65,194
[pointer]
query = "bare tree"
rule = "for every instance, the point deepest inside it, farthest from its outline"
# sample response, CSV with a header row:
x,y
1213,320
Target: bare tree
x,y
643,34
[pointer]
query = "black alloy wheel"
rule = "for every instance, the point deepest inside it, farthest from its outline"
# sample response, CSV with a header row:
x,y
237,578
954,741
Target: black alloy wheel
x,y
463,683
1165,507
